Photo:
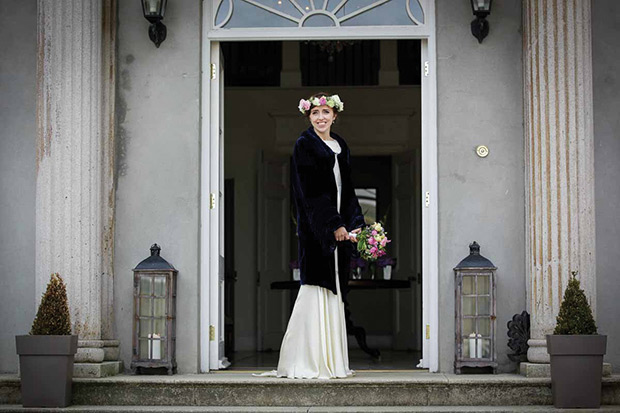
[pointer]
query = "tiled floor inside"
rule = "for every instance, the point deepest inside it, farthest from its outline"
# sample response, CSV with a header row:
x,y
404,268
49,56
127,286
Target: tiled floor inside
x,y
358,360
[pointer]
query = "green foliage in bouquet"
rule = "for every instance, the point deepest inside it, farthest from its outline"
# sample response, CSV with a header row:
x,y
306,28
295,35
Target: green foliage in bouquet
x,y
53,315
575,315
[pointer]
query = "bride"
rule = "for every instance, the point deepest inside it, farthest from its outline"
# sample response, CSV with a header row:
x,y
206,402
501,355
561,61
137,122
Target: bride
x,y
328,219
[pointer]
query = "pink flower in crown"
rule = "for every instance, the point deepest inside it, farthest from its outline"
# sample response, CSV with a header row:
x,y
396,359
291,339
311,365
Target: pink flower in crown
x,y
372,241
373,250
323,100
304,105
374,232
384,241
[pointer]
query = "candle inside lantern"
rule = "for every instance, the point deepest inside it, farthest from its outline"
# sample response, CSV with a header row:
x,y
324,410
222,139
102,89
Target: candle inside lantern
x,y
155,346
475,346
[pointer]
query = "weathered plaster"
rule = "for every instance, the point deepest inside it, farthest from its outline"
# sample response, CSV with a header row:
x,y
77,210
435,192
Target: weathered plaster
x,y
606,78
479,101
18,147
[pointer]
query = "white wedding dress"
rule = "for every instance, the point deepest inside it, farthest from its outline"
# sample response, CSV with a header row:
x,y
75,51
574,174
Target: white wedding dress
x,y
315,342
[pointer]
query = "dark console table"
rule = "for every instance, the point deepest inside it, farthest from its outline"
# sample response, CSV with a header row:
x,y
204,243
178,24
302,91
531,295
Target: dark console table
x,y
364,284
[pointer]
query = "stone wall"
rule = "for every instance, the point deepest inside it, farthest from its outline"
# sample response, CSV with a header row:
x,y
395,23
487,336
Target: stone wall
x,y
18,71
606,84
158,169
479,102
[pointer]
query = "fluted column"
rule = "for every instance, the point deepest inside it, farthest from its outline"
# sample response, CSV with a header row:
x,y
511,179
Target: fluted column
x,y
74,188
559,163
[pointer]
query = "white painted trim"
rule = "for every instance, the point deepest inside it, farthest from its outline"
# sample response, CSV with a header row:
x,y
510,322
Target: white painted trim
x,y
214,213
204,278
321,33
430,230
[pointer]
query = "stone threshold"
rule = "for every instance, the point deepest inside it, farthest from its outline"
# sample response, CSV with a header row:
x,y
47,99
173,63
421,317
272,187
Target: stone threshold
x,y
365,389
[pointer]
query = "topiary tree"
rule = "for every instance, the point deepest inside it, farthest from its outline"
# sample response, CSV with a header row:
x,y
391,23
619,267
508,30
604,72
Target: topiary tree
x,y
575,315
53,316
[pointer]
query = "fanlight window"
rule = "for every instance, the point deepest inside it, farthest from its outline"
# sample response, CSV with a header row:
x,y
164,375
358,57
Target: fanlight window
x,y
317,13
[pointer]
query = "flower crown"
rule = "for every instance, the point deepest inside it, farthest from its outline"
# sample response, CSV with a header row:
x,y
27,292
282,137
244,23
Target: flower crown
x,y
332,101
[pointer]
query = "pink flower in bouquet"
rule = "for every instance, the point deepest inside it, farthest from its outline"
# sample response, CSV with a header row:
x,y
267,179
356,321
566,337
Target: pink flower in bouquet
x,y
372,241
323,100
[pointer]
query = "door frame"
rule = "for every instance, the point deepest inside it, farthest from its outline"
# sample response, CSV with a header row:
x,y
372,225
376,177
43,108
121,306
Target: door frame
x,y
211,156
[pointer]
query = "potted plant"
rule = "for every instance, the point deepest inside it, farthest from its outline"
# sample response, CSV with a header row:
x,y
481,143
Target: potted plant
x,y
46,354
576,352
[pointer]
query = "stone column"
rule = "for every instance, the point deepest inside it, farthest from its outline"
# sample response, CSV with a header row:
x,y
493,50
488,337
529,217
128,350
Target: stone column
x,y
74,188
559,155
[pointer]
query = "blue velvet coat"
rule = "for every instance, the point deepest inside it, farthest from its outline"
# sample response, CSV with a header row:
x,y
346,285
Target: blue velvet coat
x,y
315,192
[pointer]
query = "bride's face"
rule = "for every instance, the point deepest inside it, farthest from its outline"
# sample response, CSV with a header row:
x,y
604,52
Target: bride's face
x,y
322,118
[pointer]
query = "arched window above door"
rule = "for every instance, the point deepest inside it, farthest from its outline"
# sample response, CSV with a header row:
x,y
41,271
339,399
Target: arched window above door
x,y
252,14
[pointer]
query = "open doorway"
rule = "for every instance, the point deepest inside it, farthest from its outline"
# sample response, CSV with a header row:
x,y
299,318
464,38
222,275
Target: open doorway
x,y
380,84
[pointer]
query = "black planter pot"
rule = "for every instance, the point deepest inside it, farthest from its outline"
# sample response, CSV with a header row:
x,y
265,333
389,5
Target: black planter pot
x,y
46,369
576,369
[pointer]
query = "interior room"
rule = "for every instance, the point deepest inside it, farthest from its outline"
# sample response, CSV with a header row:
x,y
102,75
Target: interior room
x,y
379,83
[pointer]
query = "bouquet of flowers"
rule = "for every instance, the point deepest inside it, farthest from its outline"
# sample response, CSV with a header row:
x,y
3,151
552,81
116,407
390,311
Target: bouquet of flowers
x,y
372,241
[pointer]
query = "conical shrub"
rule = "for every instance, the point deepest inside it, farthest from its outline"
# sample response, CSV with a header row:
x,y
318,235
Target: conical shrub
x,y
53,316
575,316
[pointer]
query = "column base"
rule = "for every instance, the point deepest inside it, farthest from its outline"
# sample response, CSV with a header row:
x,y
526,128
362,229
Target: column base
x,y
537,353
97,370
97,358
534,370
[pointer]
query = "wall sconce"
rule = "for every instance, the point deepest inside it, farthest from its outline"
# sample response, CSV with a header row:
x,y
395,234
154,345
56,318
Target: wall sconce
x,y
154,12
480,25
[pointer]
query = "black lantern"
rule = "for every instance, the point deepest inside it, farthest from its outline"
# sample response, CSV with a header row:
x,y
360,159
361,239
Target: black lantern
x,y
480,25
154,11
475,311
154,311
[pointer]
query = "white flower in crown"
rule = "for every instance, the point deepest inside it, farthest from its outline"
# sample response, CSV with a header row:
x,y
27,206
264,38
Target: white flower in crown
x,y
337,102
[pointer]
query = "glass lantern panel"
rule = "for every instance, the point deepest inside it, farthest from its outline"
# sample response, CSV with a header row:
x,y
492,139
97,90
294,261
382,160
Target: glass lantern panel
x,y
468,285
472,347
469,305
145,307
484,305
146,285
160,286
159,327
484,284
469,326
465,348
159,307
485,351
143,349
484,326
144,327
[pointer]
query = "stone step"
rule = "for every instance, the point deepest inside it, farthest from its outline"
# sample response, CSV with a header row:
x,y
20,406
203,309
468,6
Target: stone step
x,y
365,389
326,409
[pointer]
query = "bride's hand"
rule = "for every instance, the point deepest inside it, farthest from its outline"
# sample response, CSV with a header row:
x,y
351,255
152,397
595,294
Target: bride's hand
x,y
353,234
341,234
